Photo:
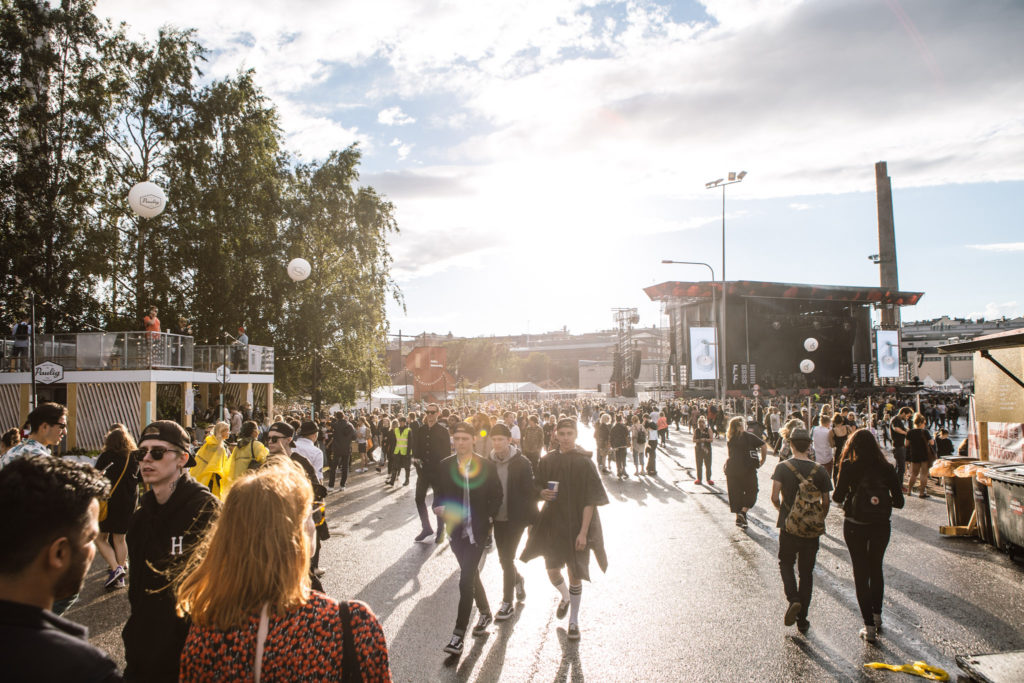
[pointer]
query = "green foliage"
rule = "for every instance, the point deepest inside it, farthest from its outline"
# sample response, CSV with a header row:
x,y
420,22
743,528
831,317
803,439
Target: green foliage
x,y
86,112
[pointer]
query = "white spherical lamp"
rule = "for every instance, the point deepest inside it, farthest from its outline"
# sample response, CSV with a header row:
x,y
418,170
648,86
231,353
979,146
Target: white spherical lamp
x,y
811,344
299,269
147,199
807,366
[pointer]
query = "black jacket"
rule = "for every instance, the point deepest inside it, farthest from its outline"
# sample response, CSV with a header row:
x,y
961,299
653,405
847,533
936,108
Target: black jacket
x,y
431,445
160,538
619,436
485,494
522,494
342,436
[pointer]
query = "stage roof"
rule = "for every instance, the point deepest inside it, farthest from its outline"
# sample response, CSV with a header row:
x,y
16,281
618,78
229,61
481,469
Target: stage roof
x,y
780,290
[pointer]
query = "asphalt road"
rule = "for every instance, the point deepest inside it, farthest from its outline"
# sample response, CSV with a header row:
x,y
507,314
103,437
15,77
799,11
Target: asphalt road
x,y
687,597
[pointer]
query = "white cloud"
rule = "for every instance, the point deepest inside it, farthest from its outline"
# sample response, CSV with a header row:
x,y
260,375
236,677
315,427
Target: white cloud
x,y
394,116
402,148
993,310
999,246
800,206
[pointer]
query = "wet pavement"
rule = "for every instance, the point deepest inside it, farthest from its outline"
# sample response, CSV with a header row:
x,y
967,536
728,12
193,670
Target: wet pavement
x,y
688,596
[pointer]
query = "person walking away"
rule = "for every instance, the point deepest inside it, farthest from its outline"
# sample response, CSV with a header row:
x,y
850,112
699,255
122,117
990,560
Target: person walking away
x,y
343,433
652,444
172,517
120,467
533,440
702,449
821,440
399,458
639,434
431,445
602,434
619,439
741,468
50,511
868,489
842,427
920,454
469,495
800,489
898,428
267,622
248,454
387,444
568,527
663,430
518,510
210,462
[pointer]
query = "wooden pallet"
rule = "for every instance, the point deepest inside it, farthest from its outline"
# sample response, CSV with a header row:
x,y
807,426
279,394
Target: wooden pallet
x,y
970,530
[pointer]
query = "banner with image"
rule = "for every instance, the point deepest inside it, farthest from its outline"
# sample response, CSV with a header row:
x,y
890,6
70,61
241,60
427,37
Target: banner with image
x,y
887,349
703,353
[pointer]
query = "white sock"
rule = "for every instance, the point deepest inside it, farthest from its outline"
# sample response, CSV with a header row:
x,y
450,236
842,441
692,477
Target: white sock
x,y
575,595
562,589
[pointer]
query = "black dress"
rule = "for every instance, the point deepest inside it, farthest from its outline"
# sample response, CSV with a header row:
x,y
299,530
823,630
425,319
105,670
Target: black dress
x,y
741,471
124,495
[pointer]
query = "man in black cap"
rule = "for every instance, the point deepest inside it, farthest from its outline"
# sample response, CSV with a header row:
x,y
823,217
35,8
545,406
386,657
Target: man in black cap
x,y
468,496
798,543
568,527
431,445
172,517
50,518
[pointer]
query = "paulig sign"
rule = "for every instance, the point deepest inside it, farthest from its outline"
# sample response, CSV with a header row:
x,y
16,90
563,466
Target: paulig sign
x,y
49,373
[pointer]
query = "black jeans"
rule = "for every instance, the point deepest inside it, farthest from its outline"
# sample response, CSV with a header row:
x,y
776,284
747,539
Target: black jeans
x,y
867,544
507,536
336,459
900,454
398,462
652,451
470,587
620,461
703,459
424,481
802,552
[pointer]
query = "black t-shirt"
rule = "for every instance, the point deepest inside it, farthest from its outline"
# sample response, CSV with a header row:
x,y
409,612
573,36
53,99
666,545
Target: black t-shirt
x,y
37,645
897,438
790,482
741,451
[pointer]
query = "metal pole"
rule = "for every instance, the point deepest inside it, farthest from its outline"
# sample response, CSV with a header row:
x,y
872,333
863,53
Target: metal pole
x,y
723,348
32,348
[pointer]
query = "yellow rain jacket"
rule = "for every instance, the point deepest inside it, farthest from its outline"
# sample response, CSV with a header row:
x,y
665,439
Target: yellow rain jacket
x,y
210,469
238,464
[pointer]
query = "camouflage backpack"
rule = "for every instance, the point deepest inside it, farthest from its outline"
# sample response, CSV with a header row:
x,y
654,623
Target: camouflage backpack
x,y
806,516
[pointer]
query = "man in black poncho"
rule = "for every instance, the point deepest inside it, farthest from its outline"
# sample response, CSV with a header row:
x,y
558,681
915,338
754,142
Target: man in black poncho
x,y
568,527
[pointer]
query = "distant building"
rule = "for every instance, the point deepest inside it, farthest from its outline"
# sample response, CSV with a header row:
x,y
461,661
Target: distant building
x,y
919,341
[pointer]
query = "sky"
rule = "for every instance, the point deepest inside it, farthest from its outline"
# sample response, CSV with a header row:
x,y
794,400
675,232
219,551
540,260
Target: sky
x,y
544,156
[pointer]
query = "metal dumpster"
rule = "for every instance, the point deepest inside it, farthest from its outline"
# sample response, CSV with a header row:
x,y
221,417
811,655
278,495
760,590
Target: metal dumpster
x,y
959,493
981,507
1007,502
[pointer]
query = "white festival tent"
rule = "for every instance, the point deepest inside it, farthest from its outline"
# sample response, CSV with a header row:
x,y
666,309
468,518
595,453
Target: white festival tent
x,y
379,398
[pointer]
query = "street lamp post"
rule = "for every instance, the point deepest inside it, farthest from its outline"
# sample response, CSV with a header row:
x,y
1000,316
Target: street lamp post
x,y
733,178
719,390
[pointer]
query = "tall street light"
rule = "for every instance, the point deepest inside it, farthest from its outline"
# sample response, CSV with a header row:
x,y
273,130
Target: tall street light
x,y
714,316
733,178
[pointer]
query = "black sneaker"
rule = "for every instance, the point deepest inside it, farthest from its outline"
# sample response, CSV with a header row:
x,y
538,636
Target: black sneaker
x,y
739,520
424,535
520,589
505,611
481,625
574,632
743,520
563,609
792,612
454,646
802,625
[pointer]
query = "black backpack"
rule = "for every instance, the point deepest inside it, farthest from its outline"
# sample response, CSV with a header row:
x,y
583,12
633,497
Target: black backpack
x,y
21,331
871,502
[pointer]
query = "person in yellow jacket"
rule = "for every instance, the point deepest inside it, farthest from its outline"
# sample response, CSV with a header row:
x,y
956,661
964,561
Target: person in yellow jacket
x,y
211,460
248,454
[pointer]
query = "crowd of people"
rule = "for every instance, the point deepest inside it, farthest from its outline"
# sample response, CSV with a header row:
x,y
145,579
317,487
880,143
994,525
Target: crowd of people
x,y
169,516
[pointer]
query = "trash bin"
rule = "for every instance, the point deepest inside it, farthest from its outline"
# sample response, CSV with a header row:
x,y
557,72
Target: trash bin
x,y
1007,501
959,493
984,514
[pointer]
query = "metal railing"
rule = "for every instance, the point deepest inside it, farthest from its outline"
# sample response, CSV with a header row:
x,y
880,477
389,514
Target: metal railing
x,y
104,351
248,358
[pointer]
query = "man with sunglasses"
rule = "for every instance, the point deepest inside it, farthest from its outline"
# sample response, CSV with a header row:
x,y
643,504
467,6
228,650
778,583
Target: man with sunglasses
x,y
431,444
47,424
172,517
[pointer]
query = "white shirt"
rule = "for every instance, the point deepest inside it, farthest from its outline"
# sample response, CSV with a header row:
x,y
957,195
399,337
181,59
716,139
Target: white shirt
x,y
516,433
822,448
775,420
314,455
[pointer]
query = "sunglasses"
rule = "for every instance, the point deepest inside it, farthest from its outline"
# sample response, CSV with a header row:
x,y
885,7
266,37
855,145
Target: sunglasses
x,y
155,453
275,439
431,412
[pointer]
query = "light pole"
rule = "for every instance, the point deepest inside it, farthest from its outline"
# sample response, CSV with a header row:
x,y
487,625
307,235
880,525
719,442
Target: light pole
x,y
719,390
733,178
